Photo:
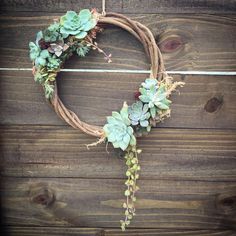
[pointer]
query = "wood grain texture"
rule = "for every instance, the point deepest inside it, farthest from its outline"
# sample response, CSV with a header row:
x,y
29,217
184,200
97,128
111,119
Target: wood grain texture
x,y
54,231
204,102
52,185
183,154
63,231
97,203
124,6
188,42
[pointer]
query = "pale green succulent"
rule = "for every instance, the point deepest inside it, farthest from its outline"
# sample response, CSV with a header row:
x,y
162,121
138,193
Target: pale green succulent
x,y
118,130
139,114
77,24
39,77
53,62
156,98
49,89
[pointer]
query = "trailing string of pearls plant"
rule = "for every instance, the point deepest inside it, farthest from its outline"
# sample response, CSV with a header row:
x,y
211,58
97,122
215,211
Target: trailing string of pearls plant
x,y
76,33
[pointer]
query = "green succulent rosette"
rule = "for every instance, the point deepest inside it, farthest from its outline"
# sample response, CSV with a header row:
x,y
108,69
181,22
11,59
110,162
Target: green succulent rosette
x,y
77,24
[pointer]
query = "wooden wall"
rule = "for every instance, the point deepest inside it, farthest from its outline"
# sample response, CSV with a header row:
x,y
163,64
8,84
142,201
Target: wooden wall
x,y
52,185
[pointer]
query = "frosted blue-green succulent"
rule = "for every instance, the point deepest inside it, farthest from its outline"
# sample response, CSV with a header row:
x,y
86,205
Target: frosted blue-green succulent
x,y
37,55
77,24
118,130
52,34
35,50
149,83
139,114
156,98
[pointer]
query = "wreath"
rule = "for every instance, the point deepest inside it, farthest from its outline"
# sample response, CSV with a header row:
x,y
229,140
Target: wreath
x,y
76,33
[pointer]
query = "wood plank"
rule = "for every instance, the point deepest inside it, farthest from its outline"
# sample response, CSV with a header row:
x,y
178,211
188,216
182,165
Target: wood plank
x,y
184,154
167,232
97,203
123,6
204,102
188,42
54,231
64,231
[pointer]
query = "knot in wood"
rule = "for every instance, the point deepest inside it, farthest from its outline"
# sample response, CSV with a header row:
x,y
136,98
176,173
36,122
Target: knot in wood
x,y
171,44
213,104
226,203
42,195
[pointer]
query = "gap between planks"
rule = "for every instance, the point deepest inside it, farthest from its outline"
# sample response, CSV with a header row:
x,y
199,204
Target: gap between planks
x,y
220,73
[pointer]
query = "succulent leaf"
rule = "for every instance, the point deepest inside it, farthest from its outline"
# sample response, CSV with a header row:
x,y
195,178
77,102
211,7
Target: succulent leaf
x,y
39,36
34,51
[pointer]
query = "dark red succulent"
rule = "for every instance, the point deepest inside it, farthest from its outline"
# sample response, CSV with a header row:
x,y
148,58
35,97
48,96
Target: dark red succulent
x,y
137,94
43,44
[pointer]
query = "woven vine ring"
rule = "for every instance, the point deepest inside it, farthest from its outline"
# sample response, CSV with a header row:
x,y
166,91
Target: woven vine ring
x,y
76,33
144,35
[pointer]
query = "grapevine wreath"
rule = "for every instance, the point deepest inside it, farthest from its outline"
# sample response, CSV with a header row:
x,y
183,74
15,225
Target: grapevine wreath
x,y
76,33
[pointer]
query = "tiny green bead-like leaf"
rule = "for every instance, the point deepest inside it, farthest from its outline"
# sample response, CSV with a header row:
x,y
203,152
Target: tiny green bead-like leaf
x,y
127,192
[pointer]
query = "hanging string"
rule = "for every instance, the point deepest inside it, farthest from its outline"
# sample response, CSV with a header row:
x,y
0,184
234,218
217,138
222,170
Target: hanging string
x,y
103,7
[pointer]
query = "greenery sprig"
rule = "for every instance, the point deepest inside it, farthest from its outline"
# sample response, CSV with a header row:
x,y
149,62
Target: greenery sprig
x,y
133,167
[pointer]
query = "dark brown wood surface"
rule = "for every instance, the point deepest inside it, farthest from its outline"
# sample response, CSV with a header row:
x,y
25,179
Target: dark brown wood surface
x,y
97,203
63,231
124,6
176,154
52,185
204,102
188,42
